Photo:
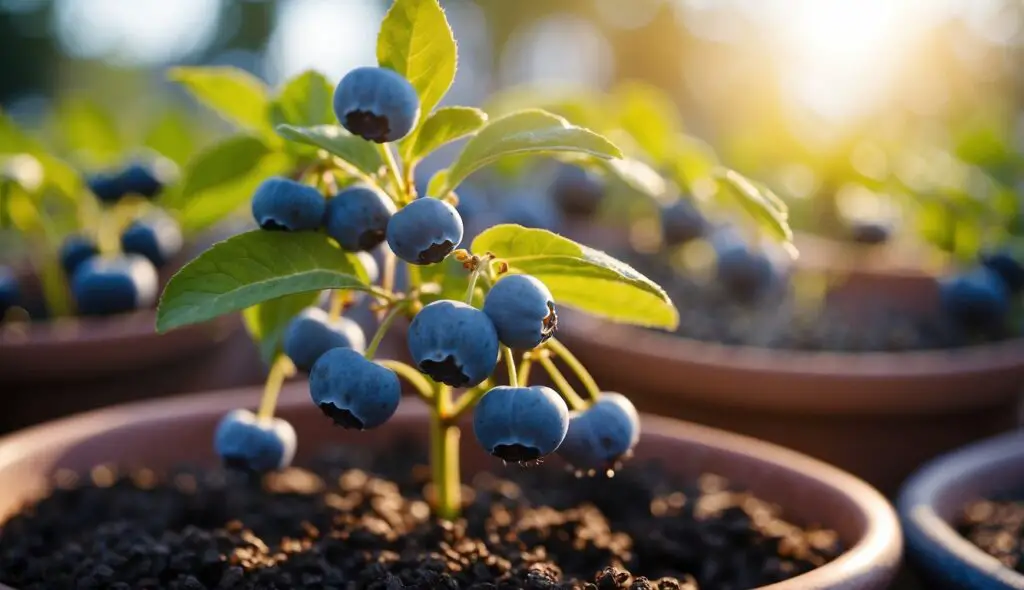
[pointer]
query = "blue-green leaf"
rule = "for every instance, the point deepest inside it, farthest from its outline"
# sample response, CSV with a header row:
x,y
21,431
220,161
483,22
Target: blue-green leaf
x,y
359,154
234,94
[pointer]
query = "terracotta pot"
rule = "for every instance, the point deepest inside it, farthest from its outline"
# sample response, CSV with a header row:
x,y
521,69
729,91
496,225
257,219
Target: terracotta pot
x,y
878,415
137,434
933,500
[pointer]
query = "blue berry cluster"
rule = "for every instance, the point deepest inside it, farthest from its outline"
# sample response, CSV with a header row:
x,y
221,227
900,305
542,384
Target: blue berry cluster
x,y
979,298
144,180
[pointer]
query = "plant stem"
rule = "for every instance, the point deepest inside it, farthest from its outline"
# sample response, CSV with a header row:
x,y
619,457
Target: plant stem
x,y
571,397
444,457
524,370
108,240
473,276
576,367
415,277
468,399
382,330
394,170
279,371
510,365
420,383
337,304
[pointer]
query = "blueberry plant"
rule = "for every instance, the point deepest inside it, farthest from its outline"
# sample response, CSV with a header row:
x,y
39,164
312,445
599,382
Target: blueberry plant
x,y
471,306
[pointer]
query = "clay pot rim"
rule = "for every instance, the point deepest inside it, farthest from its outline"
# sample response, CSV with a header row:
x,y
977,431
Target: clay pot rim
x,y
83,329
880,544
923,522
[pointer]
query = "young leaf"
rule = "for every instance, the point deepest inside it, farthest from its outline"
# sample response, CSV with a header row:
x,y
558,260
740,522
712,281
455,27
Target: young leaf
x,y
83,128
523,132
172,136
416,41
581,277
56,173
443,126
234,94
638,176
254,267
764,207
360,154
267,321
650,117
305,100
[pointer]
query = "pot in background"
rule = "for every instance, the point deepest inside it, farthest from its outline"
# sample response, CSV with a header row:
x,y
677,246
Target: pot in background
x,y
135,435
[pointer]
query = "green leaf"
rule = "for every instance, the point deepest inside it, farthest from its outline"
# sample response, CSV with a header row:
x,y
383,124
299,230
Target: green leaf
x,y
448,279
762,205
529,131
233,93
171,136
581,277
305,100
443,126
56,173
437,183
416,41
85,131
267,321
254,267
360,154
650,117
638,176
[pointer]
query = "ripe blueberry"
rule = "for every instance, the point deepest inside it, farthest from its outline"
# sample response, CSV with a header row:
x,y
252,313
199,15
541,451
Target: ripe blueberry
x,y
74,251
520,424
10,291
869,232
108,188
744,271
529,211
977,299
140,179
376,104
312,333
1008,269
577,191
603,434
681,222
283,204
104,286
245,442
353,391
358,217
156,236
522,310
453,343
425,231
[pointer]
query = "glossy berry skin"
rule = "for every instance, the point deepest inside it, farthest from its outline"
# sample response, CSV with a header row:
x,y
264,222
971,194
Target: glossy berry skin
x,y
245,442
577,191
453,343
358,217
425,231
602,435
312,333
745,272
105,286
157,237
10,291
977,299
283,204
522,311
520,424
681,222
140,179
74,251
108,188
353,391
376,104
1010,270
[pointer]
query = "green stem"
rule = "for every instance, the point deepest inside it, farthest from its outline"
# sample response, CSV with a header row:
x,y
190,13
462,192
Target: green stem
x,y
524,370
571,397
420,383
279,371
468,399
510,365
444,456
108,240
576,367
394,170
382,330
473,276
337,304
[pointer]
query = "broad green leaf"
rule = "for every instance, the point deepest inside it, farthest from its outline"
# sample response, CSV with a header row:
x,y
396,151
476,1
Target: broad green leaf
x,y
358,153
582,106
170,135
579,276
234,94
650,117
56,173
638,176
763,206
305,100
223,162
443,126
416,41
267,321
86,132
254,267
691,161
530,131
437,183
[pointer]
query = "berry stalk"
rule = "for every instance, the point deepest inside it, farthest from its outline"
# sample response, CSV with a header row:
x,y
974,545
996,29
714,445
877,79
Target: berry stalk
x,y
444,456
382,330
576,367
510,365
282,369
571,397
395,171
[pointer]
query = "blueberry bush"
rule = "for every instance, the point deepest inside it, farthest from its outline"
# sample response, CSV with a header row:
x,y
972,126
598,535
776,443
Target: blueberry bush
x,y
471,307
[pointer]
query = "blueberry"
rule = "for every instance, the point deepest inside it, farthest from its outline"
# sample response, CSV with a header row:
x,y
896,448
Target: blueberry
x,y
10,291
522,310
312,333
520,424
104,286
283,204
1007,267
245,442
977,299
108,188
529,211
453,343
156,236
870,233
376,104
425,231
358,217
577,191
745,272
681,222
140,179
603,434
74,251
352,391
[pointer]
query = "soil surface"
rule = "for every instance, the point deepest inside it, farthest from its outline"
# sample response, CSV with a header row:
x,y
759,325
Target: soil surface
x,y
997,527
349,521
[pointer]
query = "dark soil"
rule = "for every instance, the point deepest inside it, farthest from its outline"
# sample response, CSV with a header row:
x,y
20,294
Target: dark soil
x,y
336,526
997,527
